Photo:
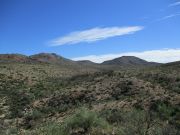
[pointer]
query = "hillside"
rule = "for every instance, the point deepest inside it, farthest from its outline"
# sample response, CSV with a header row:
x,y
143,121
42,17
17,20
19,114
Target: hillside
x,y
87,62
46,94
129,61
13,58
51,58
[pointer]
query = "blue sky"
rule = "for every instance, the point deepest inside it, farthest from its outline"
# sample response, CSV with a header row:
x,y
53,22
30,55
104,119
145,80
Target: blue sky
x,y
97,30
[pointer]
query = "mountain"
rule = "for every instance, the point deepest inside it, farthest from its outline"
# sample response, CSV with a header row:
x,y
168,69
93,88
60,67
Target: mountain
x,y
48,63
51,58
172,64
13,58
129,61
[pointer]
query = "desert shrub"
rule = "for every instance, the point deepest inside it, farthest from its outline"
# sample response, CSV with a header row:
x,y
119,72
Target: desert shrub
x,y
129,122
109,73
164,110
50,129
166,79
84,120
178,79
18,101
122,89
113,116
30,118
11,131
133,122
167,113
50,110
38,90
175,87
34,114
169,130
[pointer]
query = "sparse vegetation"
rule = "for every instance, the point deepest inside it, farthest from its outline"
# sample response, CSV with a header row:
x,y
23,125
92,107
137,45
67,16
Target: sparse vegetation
x,y
48,99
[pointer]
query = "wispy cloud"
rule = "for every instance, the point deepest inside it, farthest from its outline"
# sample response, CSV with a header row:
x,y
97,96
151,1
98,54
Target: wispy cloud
x,y
167,17
94,34
162,56
174,4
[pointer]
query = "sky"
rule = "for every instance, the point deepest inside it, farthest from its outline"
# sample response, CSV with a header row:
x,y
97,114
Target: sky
x,y
95,30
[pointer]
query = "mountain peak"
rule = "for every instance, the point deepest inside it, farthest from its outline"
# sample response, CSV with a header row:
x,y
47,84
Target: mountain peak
x,y
129,61
46,57
52,58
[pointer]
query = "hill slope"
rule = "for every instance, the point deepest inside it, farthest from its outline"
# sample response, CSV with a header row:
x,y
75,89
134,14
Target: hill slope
x,y
86,62
13,58
44,97
129,61
51,58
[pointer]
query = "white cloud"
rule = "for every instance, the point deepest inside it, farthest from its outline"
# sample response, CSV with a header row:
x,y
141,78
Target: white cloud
x,y
168,16
174,4
94,34
162,56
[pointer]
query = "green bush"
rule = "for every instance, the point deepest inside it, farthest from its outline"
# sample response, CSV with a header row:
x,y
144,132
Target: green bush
x,y
34,115
164,110
85,120
18,101
82,122
113,116
132,122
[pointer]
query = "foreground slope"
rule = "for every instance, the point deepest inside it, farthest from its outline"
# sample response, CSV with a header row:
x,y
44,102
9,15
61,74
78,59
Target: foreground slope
x,y
47,97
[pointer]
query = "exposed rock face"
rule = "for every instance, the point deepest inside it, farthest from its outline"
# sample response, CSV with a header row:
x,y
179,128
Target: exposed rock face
x,y
13,58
